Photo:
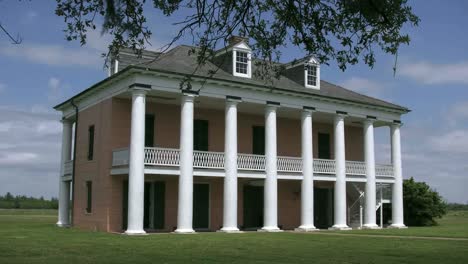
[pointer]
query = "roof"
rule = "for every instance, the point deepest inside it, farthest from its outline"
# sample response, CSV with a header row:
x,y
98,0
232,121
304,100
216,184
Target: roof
x,y
178,60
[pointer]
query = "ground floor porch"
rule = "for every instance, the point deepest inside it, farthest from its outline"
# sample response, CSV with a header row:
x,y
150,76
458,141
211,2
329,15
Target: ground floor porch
x,y
161,202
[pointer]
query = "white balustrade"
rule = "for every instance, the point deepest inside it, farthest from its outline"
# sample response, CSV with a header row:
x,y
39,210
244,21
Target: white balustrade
x,y
162,156
324,166
384,170
68,168
355,167
120,157
251,162
208,159
289,164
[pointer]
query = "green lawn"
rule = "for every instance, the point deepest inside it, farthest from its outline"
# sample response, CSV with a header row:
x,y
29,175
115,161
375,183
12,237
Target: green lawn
x,y
31,237
454,224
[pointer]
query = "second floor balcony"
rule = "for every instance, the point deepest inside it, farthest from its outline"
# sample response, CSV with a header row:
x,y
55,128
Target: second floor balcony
x,y
210,163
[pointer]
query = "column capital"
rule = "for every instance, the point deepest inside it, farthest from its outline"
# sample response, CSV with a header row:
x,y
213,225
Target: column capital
x,y
308,109
396,123
233,99
271,104
369,120
139,88
190,93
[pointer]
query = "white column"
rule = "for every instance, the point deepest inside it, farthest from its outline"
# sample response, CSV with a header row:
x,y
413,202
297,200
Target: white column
x,y
397,188
370,192
136,175
340,183
185,202
230,166
64,186
270,219
307,188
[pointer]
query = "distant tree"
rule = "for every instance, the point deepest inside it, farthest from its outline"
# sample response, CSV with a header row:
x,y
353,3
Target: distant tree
x,y
457,207
422,205
345,31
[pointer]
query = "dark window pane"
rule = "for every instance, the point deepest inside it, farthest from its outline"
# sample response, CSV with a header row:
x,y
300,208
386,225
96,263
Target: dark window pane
x,y
91,142
200,135
89,191
258,140
149,131
324,146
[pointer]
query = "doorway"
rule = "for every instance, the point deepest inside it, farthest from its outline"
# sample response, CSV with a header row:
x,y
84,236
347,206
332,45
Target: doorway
x,y
201,206
323,207
253,207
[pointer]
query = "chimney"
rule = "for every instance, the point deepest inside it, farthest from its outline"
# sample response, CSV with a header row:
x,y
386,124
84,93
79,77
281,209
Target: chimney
x,y
236,39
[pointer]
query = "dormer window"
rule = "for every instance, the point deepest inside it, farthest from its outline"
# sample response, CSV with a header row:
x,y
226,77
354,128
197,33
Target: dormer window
x,y
242,62
241,59
312,74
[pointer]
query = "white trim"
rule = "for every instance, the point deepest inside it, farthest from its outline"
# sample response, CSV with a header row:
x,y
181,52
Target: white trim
x,y
317,76
249,62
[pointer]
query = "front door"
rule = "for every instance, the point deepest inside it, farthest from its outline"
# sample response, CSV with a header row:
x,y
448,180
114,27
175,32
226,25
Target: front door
x,y
154,208
323,207
253,207
201,205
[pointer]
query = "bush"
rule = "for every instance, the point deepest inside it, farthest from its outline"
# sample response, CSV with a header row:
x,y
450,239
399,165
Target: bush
x,y
422,205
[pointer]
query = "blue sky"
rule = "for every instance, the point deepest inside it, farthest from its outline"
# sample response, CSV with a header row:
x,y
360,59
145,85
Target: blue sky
x,y
432,80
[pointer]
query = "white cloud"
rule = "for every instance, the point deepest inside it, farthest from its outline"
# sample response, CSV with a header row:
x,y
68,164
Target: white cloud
x,y
29,151
56,89
450,142
55,55
430,73
364,86
459,110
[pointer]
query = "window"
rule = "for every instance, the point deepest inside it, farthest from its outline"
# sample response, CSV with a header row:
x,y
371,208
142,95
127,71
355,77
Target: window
x,y
258,140
91,142
200,135
324,146
242,62
311,75
89,191
149,131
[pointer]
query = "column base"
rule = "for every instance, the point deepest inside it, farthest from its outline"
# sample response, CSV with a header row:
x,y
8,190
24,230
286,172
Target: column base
x,y
371,226
269,229
230,230
135,232
309,228
59,224
339,227
184,231
398,226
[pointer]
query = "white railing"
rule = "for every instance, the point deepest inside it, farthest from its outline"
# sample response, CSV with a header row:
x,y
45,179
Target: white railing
x,y
120,157
289,164
68,167
384,170
355,167
324,166
162,156
208,159
251,162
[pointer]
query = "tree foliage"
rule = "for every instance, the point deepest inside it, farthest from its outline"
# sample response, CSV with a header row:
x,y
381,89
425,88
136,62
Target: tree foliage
x,y
345,31
422,205
23,202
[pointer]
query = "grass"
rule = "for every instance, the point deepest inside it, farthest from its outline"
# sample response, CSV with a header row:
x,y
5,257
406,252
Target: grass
x,y
31,237
454,224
